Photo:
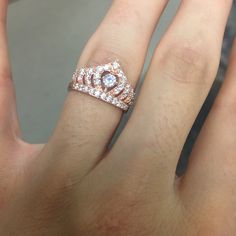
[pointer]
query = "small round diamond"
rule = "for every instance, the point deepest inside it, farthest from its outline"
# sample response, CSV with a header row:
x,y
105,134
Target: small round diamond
x,y
115,101
103,96
97,93
91,91
90,71
99,69
116,65
96,75
109,80
82,72
107,67
109,98
86,89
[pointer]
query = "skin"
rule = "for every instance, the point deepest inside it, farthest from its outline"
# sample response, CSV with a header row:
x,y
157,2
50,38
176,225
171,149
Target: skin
x,y
73,186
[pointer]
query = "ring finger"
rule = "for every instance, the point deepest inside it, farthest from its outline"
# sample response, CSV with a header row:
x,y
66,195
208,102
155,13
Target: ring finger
x,y
89,123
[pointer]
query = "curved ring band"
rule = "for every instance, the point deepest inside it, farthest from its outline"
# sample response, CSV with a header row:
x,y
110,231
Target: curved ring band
x,y
106,82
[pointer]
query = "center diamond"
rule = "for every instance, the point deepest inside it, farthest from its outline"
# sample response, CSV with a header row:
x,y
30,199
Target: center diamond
x,y
109,80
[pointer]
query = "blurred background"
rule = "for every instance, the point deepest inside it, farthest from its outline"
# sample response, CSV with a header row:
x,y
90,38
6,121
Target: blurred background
x,y
46,38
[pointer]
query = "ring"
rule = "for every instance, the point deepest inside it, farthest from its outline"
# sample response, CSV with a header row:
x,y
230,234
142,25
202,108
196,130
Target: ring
x,y
106,82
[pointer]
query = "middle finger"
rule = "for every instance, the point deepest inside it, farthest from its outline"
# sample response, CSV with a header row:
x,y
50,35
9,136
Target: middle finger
x,y
180,76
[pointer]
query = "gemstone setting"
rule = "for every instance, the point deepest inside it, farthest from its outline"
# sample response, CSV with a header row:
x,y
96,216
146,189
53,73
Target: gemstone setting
x,y
106,82
109,80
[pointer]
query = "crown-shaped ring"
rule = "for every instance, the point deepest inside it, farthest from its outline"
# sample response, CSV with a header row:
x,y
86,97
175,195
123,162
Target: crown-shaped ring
x,y
106,82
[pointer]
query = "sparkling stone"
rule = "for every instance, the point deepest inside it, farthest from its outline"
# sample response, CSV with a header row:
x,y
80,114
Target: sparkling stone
x,y
121,74
97,75
107,67
115,101
91,91
116,65
97,82
100,69
86,89
109,80
103,96
96,78
82,72
127,88
88,78
121,86
116,91
125,107
118,104
97,93
109,98
90,71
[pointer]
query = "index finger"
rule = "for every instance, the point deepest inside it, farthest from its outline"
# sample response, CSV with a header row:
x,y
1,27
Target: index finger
x,y
9,125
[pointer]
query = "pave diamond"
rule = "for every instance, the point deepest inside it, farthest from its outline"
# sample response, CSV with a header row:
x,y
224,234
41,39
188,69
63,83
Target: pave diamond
x,y
100,69
96,79
96,75
106,67
116,65
82,72
91,91
103,96
115,101
86,89
109,80
97,93
109,98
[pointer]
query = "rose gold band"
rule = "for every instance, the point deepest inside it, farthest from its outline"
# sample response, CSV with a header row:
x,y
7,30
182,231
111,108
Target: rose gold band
x,y
106,82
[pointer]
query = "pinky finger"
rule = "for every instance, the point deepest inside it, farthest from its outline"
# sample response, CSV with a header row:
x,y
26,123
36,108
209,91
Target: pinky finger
x,y
212,163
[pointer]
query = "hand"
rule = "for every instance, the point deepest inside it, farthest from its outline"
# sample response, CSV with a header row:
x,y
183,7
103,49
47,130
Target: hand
x,y
73,186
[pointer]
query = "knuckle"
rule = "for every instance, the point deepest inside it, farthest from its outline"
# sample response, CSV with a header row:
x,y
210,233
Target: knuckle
x,y
185,64
115,216
119,213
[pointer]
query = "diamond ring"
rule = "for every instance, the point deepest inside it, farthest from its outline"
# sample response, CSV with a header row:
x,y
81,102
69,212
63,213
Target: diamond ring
x,y
106,82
